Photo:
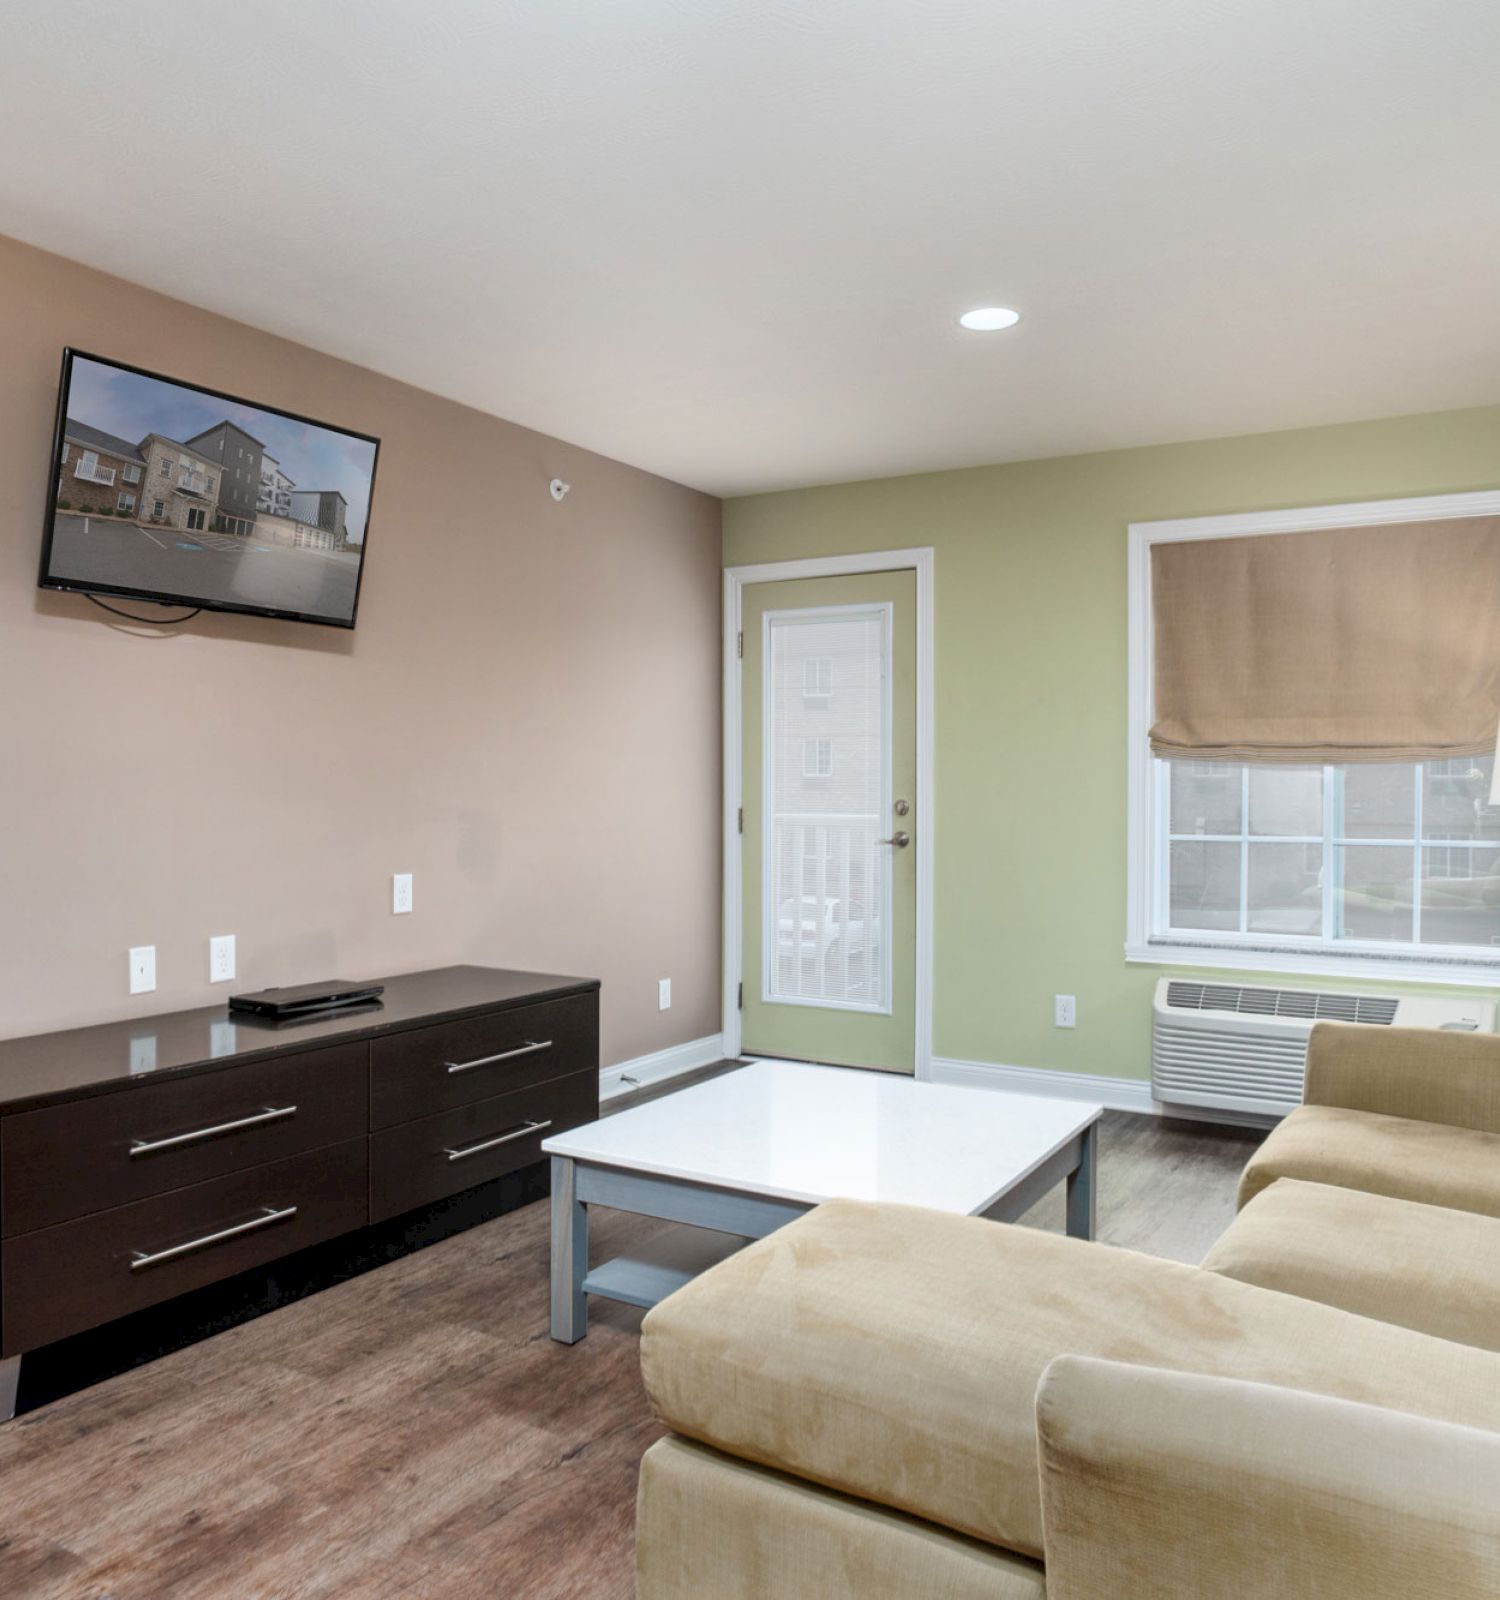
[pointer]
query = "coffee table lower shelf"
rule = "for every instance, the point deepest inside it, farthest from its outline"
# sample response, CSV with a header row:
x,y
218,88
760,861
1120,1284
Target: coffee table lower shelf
x,y
645,1279
736,1215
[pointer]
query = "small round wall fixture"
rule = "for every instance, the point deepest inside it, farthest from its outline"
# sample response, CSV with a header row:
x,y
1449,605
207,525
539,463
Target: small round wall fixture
x,y
559,488
989,319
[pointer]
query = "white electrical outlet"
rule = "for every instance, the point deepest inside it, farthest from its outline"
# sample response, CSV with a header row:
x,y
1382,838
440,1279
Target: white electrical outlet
x,y
401,894
1064,1011
142,968
221,958
664,995
143,1052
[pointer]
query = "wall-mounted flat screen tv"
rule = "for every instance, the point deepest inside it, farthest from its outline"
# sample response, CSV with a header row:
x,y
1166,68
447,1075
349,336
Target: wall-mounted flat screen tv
x,y
164,490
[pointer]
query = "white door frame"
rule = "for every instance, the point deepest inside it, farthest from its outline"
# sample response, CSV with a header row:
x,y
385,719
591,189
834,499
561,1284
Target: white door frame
x,y
919,561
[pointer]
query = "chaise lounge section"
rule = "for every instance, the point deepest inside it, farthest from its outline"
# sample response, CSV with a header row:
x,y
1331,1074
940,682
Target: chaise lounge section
x,y
858,1403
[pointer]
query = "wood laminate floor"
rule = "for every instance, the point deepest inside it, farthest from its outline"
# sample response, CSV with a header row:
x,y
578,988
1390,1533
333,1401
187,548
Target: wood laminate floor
x,y
413,1434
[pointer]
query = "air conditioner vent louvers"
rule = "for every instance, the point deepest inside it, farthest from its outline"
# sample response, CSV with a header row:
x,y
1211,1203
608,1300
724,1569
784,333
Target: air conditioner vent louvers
x,y
1377,1009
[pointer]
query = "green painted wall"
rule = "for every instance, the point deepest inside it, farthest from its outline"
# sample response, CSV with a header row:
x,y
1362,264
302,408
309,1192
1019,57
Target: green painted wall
x,y
1031,694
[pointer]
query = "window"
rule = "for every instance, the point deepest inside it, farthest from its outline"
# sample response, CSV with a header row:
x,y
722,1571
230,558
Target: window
x,y
1398,857
126,502
131,474
817,758
158,509
1387,869
817,677
164,467
210,483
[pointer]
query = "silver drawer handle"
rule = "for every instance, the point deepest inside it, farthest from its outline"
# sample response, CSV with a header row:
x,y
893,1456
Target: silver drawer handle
x,y
505,1055
141,1258
146,1147
466,1150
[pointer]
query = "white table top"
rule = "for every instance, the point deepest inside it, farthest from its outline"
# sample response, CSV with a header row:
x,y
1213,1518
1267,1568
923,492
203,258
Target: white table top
x,y
811,1133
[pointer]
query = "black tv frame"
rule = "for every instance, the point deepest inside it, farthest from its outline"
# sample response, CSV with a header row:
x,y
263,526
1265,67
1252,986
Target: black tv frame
x,y
73,586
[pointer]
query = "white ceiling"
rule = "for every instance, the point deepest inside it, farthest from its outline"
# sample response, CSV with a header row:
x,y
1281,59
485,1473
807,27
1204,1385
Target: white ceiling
x,y
727,240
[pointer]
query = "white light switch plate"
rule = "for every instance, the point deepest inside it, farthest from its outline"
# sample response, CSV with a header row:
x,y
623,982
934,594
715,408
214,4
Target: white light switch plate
x,y
1065,1011
142,968
221,958
401,894
664,995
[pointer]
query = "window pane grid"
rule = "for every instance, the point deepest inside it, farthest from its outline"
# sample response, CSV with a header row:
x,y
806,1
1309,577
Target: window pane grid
x,y
1432,886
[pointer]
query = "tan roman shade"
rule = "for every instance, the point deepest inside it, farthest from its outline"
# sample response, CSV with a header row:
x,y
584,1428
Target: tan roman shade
x,y
1348,644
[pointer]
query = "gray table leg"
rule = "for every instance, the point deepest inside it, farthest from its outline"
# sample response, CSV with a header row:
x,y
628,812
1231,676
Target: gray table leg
x,y
10,1379
570,1254
1083,1186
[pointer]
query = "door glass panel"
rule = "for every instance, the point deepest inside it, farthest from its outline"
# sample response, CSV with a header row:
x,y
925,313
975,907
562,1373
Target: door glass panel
x,y
825,878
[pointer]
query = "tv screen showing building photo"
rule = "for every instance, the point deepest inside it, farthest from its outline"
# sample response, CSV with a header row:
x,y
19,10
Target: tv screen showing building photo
x,y
166,491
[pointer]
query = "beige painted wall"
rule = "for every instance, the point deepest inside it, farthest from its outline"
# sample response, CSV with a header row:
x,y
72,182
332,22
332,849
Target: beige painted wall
x,y
1031,695
526,717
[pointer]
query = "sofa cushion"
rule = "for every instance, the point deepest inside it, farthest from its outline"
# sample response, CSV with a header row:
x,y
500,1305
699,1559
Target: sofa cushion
x,y
1423,1267
1429,1162
893,1353
709,1527
1172,1486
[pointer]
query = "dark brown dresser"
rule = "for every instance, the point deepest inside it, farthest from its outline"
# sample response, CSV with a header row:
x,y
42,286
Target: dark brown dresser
x,y
140,1160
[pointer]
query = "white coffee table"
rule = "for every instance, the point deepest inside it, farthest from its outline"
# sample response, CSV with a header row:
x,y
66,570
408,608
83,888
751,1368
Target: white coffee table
x,y
745,1153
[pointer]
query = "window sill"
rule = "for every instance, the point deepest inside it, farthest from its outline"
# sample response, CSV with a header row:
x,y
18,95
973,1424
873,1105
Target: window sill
x,y
1317,964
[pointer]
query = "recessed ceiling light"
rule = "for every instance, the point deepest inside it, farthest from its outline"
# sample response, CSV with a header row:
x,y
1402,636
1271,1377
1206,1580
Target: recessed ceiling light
x,y
990,319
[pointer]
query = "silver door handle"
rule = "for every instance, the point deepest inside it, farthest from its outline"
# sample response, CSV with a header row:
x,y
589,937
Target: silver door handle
x,y
464,1151
146,1147
142,1258
900,840
505,1055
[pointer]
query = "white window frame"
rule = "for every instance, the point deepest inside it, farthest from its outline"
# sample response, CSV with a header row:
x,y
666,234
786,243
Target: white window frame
x,y
131,474
1146,866
813,752
125,502
817,678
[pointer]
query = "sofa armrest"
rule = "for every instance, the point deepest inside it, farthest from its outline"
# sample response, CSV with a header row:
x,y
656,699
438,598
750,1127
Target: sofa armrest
x,y
1418,1073
1170,1486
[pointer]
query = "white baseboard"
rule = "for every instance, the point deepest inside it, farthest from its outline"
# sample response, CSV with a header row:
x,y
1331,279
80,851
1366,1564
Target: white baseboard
x,y
1115,1094
660,1064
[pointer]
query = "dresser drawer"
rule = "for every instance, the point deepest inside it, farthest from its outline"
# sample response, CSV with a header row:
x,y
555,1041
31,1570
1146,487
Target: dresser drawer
x,y
91,1155
436,1156
425,1070
77,1275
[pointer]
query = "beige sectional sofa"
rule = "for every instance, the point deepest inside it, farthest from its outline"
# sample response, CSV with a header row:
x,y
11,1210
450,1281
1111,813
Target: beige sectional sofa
x,y
883,1401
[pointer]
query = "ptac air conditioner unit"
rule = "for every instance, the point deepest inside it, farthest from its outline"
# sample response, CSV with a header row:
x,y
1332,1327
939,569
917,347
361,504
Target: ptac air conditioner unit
x,y
1231,1047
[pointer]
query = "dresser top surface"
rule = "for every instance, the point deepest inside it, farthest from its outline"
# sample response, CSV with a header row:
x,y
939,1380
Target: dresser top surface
x,y
44,1068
